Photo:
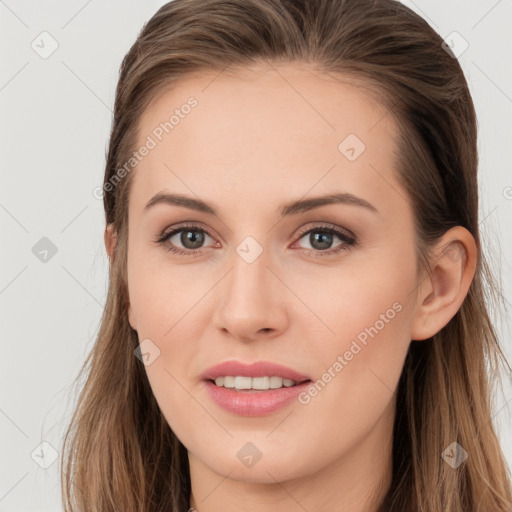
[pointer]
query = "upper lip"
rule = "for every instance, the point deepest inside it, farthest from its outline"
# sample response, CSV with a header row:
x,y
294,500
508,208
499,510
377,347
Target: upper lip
x,y
257,369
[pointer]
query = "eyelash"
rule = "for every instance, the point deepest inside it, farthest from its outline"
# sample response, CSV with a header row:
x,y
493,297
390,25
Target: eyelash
x,y
349,240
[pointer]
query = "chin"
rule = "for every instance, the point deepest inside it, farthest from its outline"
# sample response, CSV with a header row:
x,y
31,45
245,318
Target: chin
x,y
267,470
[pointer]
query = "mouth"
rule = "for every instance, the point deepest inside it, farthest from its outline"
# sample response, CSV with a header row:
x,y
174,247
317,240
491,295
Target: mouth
x,y
256,389
255,384
257,375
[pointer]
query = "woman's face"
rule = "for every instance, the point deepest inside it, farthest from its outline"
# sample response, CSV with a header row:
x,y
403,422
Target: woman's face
x,y
259,280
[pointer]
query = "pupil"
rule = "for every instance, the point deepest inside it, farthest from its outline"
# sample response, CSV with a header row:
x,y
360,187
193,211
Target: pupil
x,y
324,240
196,238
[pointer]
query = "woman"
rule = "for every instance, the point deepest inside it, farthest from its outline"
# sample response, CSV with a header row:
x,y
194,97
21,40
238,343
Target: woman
x,y
236,367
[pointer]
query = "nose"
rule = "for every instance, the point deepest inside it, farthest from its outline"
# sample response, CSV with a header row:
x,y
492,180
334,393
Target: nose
x,y
251,301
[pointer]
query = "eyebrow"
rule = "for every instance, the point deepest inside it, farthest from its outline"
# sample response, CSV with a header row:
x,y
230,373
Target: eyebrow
x,y
291,208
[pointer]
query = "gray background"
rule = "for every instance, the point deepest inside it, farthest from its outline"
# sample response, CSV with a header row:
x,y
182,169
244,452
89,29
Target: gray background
x,y
56,115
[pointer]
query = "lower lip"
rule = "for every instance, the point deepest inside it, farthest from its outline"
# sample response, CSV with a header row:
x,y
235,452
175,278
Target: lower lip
x,y
252,402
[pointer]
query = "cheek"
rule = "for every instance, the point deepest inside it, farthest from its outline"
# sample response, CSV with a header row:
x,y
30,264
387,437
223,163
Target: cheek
x,y
162,299
362,300
364,336
160,294
165,304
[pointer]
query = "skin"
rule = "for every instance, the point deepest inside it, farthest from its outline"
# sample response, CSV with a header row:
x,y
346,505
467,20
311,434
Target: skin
x,y
253,143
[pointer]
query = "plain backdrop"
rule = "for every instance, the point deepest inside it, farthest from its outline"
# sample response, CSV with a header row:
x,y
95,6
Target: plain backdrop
x,y
55,120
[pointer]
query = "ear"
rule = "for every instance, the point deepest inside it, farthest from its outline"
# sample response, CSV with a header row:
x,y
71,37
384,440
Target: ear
x,y
441,294
110,237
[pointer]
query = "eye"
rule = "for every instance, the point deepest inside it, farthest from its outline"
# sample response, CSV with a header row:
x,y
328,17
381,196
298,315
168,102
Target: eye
x,y
191,238
321,239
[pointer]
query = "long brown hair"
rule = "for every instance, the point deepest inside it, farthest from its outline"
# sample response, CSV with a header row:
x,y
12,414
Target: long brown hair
x,y
119,452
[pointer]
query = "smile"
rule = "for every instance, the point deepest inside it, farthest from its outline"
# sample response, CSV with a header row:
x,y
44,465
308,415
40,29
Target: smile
x,y
255,383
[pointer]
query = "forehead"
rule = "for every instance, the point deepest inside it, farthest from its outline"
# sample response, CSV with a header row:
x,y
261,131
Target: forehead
x,y
264,129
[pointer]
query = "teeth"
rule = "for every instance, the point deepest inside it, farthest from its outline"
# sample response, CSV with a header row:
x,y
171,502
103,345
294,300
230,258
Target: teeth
x,y
243,382
259,383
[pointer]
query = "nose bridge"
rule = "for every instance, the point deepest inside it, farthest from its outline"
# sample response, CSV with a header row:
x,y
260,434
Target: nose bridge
x,y
250,299
249,279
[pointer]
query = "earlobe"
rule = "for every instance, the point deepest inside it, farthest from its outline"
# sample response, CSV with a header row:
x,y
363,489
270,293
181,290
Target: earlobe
x,y
442,293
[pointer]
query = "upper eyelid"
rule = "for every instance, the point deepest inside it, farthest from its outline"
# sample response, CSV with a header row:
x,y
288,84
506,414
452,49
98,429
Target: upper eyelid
x,y
177,229
329,226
